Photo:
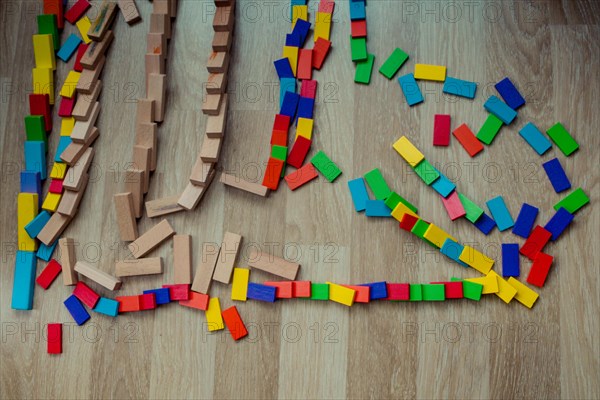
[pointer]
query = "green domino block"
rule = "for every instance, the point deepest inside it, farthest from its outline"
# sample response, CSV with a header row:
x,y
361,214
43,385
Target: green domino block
x,y
325,166
473,210
434,292
358,48
393,63
279,152
416,292
419,230
471,290
490,129
378,186
35,129
574,201
394,198
563,139
364,69
426,172
47,26
319,291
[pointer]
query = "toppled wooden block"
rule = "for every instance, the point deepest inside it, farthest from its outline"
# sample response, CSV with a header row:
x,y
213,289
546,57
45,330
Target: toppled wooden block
x,y
210,150
216,84
211,104
192,194
75,175
134,183
156,43
182,259
230,248
106,15
67,261
141,266
241,184
141,161
160,23
53,228
89,77
215,124
83,129
144,111
95,51
69,203
274,265
152,238
129,11
126,216
206,268
164,206
157,89
98,276
217,62
72,154
146,135
85,102
223,19
222,41
201,171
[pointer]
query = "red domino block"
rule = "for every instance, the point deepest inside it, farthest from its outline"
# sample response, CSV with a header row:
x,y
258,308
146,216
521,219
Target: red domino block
x,y
39,104
454,206
358,28
196,300
81,49
299,151
86,295
320,51
309,87
467,139
128,303
273,173
49,274
56,186
234,323
362,293
301,288
55,7
398,291
303,175
539,269
54,338
284,290
441,130
535,242
179,292
147,301
305,60
281,126
454,290
408,221
326,6
66,106
76,11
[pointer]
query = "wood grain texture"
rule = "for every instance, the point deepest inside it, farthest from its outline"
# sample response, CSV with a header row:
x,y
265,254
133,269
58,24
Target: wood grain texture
x,y
312,349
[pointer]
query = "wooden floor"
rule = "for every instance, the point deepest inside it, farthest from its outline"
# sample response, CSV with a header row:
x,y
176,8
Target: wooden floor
x,y
309,349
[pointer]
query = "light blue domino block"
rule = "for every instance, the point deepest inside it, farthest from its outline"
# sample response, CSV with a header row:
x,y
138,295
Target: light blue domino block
x,y
37,224
45,252
500,213
443,185
63,142
357,10
286,85
535,138
500,109
68,48
461,88
24,280
35,158
452,250
411,90
358,191
377,208
107,307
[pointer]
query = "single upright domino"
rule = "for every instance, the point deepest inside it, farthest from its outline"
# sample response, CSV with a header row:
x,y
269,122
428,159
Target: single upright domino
x,y
525,220
558,178
509,93
500,213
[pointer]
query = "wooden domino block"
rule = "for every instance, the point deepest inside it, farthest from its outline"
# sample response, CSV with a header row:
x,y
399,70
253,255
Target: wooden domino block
x,y
535,243
89,77
283,290
227,257
27,210
101,25
141,266
128,303
155,64
156,43
77,11
49,274
322,26
192,194
222,41
146,135
85,103
68,260
436,235
238,183
524,294
141,161
151,239
55,7
157,86
164,206
69,203
201,171
214,320
76,174
160,23
540,269
134,183
182,259
273,265
161,7
129,11
125,214
83,129
206,267
341,294
506,292
468,140
84,25
211,149
86,295
95,52
454,206
74,151
223,18
53,228
234,323
305,63
216,84
320,52
217,62
211,104
144,111
215,124
408,151
39,104
441,130
100,277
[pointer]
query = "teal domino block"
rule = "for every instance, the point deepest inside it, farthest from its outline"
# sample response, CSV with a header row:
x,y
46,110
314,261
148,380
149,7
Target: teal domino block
x,y
37,224
107,307
24,280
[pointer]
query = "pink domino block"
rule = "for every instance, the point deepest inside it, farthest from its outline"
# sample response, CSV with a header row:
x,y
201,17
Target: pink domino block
x,y
454,206
309,88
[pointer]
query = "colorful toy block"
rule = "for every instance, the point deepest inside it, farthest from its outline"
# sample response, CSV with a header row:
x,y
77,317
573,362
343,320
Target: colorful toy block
x,y
290,104
51,202
302,176
535,138
178,292
525,220
305,64
283,290
443,185
557,176
452,249
454,206
471,290
55,7
377,184
510,259
196,300
279,152
76,309
394,199
35,130
147,301
128,303
535,242
299,151
416,292
489,129
398,291
378,290
358,28
453,289
433,292
499,108
301,289
509,93
357,10
506,292
306,108
67,105
393,63
27,210
30,182
106,306
68,48
35,158
35,225
325,166
430,72
287,85
294,3
260,292
377,208
563,139
436,235
341,294
49,274
81,50
58,170
273,173
485,224
500,213
539,269
85,294
408,222
459,87
283,68
304,128
468,140
364,70
301,30
320,52
419,230
47,25
358,191
327,6
291,53
43,50
319,291
161,295
426,172
66,126
293,40
474,212
23,280
559,222
234,323
410,89
489,283
63,143
279,134
476,260
362,293
43,82
358,49
39,104
574,201
401,210
69,85
441,130
54,339
76,11
408,151
322,26
214,319
524,295
45,252
299,12
84,25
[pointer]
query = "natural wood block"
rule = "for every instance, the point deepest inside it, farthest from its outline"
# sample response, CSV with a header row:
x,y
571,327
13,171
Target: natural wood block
x,y
74,151
164,206
210,150
192,194
157,87
125,214
53,228
222,41
155,64
157,43
230,248
211,104
216,84
69,203
144,111
217,62
98,276
273,265
66,247
206,268
246,186
146,135
160,23
129,11
173,12
141,161
215,124
89,77
95,51
200,172
141,266
85,102
134,183
75,175
223,19
161,7
182,259
151,239
83,129
101,25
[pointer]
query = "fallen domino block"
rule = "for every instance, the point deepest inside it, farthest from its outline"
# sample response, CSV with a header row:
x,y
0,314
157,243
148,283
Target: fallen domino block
x,y
55,7
467,139
485,224
452,289
358,49
398,291
408,222
319,291
476,260
535,138
357,10
47,25
299,151
500,213
509,93
178,292
443,185
54,339
539,269
283,68
301,29
304,128
49,274
452,249
393,63
43,50
505,291
471,290
291,53
45,252
426,172
535,242
35,130
341,294
441,130
290,104
306,108
364,70
559,222
286,85
454,206
410,89
524,295
459,87
419,230
510,259
325,166
436,235
239,287
273,173
84,25
433,292
358,191
322,26
37,224
430,72
499,108
394,199
147,301
489,129
574,201
234,323
563,139
260,292
68,48
299,12
77,311
489,282
473,211
161,295
69,85
198,301
23,281
305,57
283,290
557,176
35,158
358,28
408,151
525,220
301,289
401,210
27,211
86,295
377,184
320,52
43,82
377,208
361,294
77,10
281,126
108,307
378,290
39,104
302,176
128,303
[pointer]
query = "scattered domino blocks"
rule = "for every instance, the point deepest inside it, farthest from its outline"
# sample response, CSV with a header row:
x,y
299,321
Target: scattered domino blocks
x,y
408,151
524,295
557,176
476,260
77,311
302,176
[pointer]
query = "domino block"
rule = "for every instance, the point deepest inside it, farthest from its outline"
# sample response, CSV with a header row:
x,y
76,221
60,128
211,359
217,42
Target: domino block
x,y
535,138
260,292
98,276
408,222
524,295
459,87
39,104
157,86
34,227
234,323
100,26
327,6
55,7
164,206
67,258
535,243
574,201
322,26
151,239
43,50
485,224
289,104
378,290
304,128
47,24
358,49
473,211
192,194
94,55
54,339
557,176
300,177
510,259
358,191
49,274
398,291
45,252
452,249
182,259
357,10
309,88
408,151
341,294
84,25
364,70
394,199
43,82
467,139
416,292
108,307
77,10
161,295
82,132
301,289
377,208
283,290
506,292
291,53
358,29
273,172
128,303
66,105
130,12
305,108
430,72
238,183
227,257
52,230
443,185
215,124
401,210
319,291
299,12
77,311
58,170
86,295
426,172
81,50
124,210
471,290
287,85
147,301
500,213
489,283
454,206
178,292
63,143
509,93
68,48
35,130
299,151
393,63
362,293
66,126
539,269
433,292
441,130
23,280
559,222
301,28
525,220
74,180
377,184
222,41
489,129
325,166
452,290
140,266
563,139
304,70
293,40
282,66
27,210
273,265
436,235
499,108
239,287
476,260
320,52
89,82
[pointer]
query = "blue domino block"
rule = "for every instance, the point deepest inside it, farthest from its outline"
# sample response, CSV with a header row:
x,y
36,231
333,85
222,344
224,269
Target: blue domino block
x,y
31,183
35,158
443,185
162,295
286,85
485,224
290,104
37,224
45,252
458,87
377,291
24,280
410,89
357,10
260,292
499,108
63,142
377,208
301,30
525,220
284,69
77,310
510,259
293,40
535,138
295,3
108,307
358,191
68,48
559,222
500,213
510,94
452,250
306,107
558,178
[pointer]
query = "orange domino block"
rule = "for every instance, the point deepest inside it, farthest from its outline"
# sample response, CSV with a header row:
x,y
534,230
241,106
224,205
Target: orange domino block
x,y
273,173
284,290
196,300
234,323
362,293
303,175
468,140
128,303
305,64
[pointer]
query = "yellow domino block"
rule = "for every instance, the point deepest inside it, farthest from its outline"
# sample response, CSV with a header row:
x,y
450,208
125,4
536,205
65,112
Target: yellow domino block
x,y
27,210
66,126
322,26
524,295
214,320
51,202
305,128
43,82
299,12
58,171
341,294
505,291
430,72
239,287
399,211
292,54
68,88
84,25
43,50
408,151
437,235
489,282
476,260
